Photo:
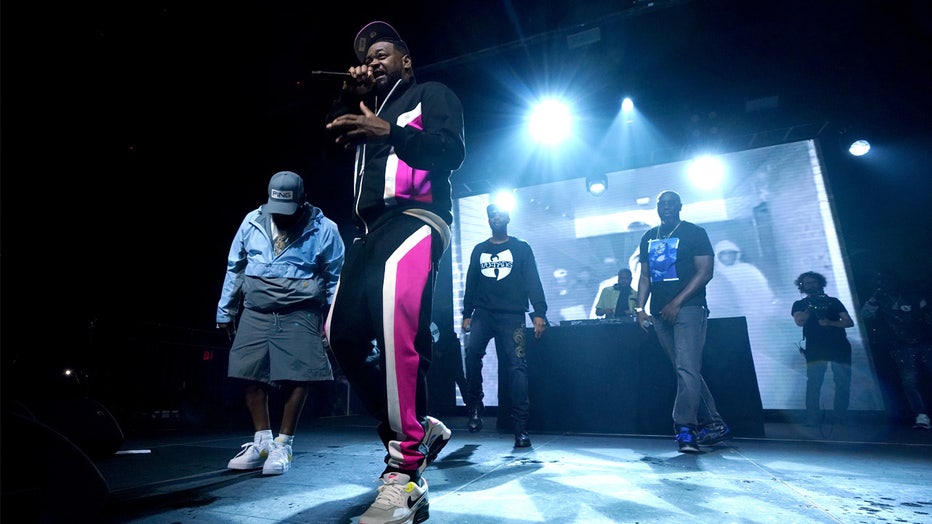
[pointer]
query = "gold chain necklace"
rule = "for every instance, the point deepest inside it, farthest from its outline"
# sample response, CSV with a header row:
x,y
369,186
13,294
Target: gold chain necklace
x,y
671,231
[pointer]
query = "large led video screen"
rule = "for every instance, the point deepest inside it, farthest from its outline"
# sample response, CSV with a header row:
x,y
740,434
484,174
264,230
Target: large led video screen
x,y
771,204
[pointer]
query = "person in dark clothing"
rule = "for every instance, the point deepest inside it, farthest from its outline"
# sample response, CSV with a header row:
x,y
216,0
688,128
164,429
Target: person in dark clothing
x,y
502,280
824,320
903,319
676,265
408,139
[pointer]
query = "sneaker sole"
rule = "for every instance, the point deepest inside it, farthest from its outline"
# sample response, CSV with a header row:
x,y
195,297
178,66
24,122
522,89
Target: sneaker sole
x,y
422,514
715,441
258,464
243,468
435,447
689,449
275,468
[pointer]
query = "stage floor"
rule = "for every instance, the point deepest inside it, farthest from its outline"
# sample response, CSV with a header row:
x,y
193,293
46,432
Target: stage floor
x,y
857,473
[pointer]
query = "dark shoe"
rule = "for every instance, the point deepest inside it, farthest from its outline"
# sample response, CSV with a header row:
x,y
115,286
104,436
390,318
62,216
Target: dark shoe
x,y
686,439
713,434
522,440
475,421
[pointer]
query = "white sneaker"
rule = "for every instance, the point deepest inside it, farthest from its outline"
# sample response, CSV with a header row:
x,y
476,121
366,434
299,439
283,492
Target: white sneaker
x,y
279,460
922,421
399,501
436,436
252,456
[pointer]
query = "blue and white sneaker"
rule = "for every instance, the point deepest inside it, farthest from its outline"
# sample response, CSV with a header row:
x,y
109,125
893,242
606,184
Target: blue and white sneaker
x,y
686,439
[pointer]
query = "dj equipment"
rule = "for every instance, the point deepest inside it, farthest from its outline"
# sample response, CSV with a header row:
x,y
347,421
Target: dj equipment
x,y
599,321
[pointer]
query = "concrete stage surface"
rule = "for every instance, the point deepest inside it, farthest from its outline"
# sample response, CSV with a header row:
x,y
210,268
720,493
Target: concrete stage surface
x,y
864,472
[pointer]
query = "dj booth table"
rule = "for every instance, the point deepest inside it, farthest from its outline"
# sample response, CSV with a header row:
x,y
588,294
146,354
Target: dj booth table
x,y
614,378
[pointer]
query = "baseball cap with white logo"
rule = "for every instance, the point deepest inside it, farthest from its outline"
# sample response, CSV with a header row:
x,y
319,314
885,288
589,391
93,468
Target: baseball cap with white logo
x,y
286,193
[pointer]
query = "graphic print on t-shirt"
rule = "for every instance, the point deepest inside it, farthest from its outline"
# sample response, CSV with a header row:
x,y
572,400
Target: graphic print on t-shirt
x,y
661,257
497,266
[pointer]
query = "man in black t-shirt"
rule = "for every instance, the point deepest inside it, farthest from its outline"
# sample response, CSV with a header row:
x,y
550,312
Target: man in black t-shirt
x,y
676,264
824,320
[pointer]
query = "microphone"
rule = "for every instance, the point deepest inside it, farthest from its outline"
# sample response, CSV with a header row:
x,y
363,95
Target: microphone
x,y
330,73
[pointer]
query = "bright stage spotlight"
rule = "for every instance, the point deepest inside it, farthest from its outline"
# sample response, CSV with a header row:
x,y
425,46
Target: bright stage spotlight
x,y
627,111
859,147
706,172
550,122
505,199
596,184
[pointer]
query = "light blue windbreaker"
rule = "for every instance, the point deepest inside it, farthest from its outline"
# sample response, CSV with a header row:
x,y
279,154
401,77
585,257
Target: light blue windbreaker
x,y
306,271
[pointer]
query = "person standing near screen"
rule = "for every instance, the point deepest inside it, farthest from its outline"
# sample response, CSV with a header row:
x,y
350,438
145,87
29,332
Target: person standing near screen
x,y
747,291
618,300
676,264
824,320
901,319
408,139
501,281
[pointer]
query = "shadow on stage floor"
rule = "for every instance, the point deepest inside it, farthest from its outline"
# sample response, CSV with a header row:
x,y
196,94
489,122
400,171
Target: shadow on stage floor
x,y
864,471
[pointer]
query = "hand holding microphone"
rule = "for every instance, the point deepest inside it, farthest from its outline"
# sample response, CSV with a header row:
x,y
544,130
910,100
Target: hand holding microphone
x,y
360,81
643,319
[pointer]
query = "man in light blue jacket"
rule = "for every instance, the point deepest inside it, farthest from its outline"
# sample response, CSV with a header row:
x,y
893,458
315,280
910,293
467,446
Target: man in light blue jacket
x,y
282,271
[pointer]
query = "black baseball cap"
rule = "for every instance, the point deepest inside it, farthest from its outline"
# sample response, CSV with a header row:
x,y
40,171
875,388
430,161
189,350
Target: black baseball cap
x,y
373,32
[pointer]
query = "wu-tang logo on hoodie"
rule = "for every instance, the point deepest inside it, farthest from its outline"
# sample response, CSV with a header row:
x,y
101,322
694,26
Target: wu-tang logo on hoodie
x,y
497,266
